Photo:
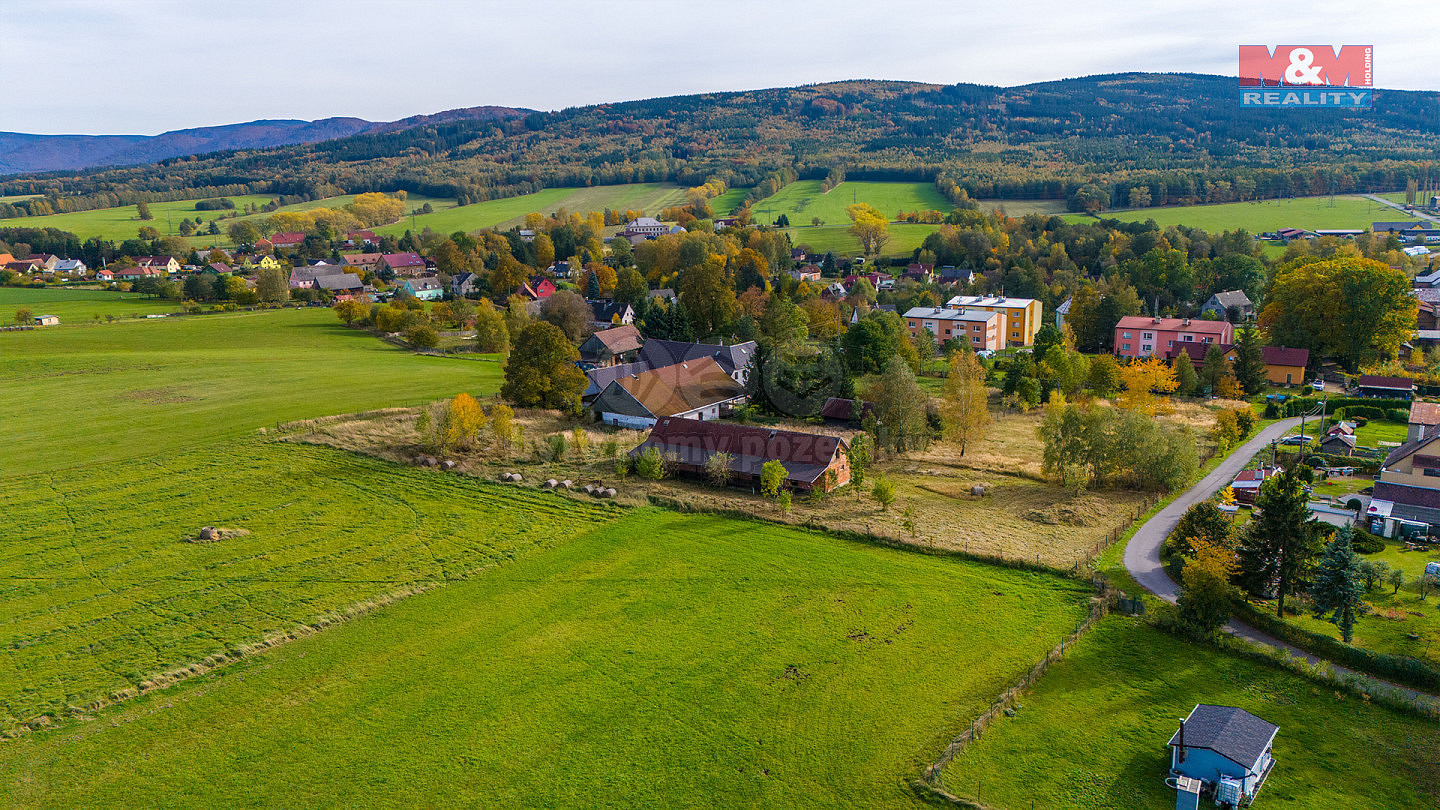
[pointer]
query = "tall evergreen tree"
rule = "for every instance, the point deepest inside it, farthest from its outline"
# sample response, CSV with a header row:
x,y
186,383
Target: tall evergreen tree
x,y
1280,543
1339,586
1186,380
1249,360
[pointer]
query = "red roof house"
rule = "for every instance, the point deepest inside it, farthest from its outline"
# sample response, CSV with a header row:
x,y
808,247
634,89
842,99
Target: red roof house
x,y
289,239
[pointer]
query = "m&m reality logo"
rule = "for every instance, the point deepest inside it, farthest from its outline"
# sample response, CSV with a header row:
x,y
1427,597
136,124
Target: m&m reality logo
x,y
1306,76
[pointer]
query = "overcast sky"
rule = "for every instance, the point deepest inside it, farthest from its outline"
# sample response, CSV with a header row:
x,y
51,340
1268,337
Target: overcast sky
x,y
147,66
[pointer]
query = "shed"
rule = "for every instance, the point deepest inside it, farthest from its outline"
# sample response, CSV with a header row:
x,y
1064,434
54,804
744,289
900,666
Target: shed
x,y
811,460
47,320
1229,749
1372,385
1338,444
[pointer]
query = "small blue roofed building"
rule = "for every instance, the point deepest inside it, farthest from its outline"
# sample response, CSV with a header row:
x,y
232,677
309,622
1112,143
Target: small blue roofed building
x,y
1228,750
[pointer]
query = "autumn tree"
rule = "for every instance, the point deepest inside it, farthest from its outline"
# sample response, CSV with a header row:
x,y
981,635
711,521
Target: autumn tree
x,y
883,492
570,312
717,468
272,285
709,295
784,324
869,226
490,332
1186,380
142,210
351,310
1359,310
1143,380
1104,377
901,423
541,372
964,407
1206,594
772,477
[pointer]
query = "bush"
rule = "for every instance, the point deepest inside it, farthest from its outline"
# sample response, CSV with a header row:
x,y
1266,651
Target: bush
x,y
422,336
650,464
1245,418
1353,503
1364,542
555,445
1397,415
1365,411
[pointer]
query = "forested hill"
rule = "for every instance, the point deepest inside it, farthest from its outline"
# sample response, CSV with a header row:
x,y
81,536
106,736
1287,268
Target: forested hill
x,y
1182,135
21,152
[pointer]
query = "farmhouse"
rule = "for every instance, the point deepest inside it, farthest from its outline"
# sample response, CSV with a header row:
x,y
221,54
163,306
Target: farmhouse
x,y
462,284
403,264
609,347
363,261
605,314
1022,315
136,273
862,310
1372,385
72,267
540,287
425,288
1285,366
165,263
289,239
345,285
1222,303
1137,336
806,272
1229,749
811,461
979,329
601,376
735,360
699,389
1246,485
220,269
104,274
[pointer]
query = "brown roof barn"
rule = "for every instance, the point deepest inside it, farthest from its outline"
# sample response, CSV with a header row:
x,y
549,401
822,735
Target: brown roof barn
x,y
807,457
695,389
610,346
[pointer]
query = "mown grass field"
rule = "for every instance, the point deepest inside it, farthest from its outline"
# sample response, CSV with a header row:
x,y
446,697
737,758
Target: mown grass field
x,y
107,589
511,211
1093,732
1019,208
79,306
803,199
123,222
664,659
1262,215
904,239
75,396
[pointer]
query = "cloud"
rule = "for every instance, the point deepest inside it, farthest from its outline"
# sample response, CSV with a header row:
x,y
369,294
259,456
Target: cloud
x,y
146,66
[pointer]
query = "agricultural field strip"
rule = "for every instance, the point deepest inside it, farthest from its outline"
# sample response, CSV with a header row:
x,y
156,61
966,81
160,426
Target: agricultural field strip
x,y
135,599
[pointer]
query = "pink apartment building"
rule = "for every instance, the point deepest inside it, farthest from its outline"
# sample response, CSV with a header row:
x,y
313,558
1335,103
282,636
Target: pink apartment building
x,y
1139,336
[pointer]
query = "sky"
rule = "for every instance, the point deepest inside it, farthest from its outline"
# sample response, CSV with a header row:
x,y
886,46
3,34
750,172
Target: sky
x,y
148,66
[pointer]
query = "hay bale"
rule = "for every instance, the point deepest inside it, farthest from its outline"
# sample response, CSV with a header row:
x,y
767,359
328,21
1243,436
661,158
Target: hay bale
x,y
447,464
208,533
516,478
608,493
566,484
978,489
504,476
551,483
589,489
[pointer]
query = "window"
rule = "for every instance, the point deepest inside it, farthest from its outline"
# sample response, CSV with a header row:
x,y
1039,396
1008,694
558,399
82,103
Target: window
x,y
1171,343
976,328
1148,336
1189,338
1124,334
1014,334
1126,347
1432,472
1147,348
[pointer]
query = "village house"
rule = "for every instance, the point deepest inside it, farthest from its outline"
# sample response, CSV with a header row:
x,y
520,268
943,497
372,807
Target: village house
x,y
362,239
811,461
71,267
289,239
46,320
609,347
104,274
540,287
699,389
1424,419
302,278
734,359
425,288
363,261
220,269
645,227
922,273
43,262
403,264
1022,315
1246,485
1139,336
663,294
136,273
1221,305
463,284
1285,366
806,272
166,263
344,286
1406,499
1228,749
950,274
600,376
862,310
604,314
980,329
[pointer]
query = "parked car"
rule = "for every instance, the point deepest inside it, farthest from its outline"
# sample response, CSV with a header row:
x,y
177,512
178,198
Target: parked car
x,y
1318,384
1300,439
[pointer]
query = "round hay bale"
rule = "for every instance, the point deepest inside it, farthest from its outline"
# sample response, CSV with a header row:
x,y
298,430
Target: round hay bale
x,y
207,533
589,488
551,483
978,489
504,476
516,478
566,484
608,493
448,464
430,461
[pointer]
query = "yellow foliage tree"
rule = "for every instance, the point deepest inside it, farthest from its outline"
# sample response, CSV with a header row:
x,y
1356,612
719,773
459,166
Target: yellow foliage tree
x,y
466,420
1143,380
964,409
870,227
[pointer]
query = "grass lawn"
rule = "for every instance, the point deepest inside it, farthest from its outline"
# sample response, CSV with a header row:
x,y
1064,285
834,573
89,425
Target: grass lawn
x,y
803,200
136,388
728,202
1376,431
510,211
106,588
664,659
1019,208
1265,215
904,238
1093,733
79,306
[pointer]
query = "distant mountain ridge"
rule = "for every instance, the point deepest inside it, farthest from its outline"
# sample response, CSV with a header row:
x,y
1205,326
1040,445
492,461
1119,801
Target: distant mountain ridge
x,y
23,153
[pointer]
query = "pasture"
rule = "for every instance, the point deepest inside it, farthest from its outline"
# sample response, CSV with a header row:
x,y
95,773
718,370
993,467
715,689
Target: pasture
x,y
663,659
109,588
904,238
1093,732
1341,211
510,211
80,306
1020,208
136,388
803,200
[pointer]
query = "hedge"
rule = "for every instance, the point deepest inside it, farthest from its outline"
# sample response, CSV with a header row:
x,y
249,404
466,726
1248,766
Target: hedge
x,y
1296,406
1397,668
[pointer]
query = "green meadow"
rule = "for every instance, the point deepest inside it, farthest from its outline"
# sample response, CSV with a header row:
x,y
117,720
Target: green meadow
x,y
1094,732
135,388
80,306
661,659
1310,213
510,211
904,239
803,200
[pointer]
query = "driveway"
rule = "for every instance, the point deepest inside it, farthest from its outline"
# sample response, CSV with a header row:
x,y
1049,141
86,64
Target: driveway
x,y
1414,214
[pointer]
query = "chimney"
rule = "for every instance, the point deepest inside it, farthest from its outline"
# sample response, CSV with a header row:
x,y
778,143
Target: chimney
x,y
1185,322
1181,749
